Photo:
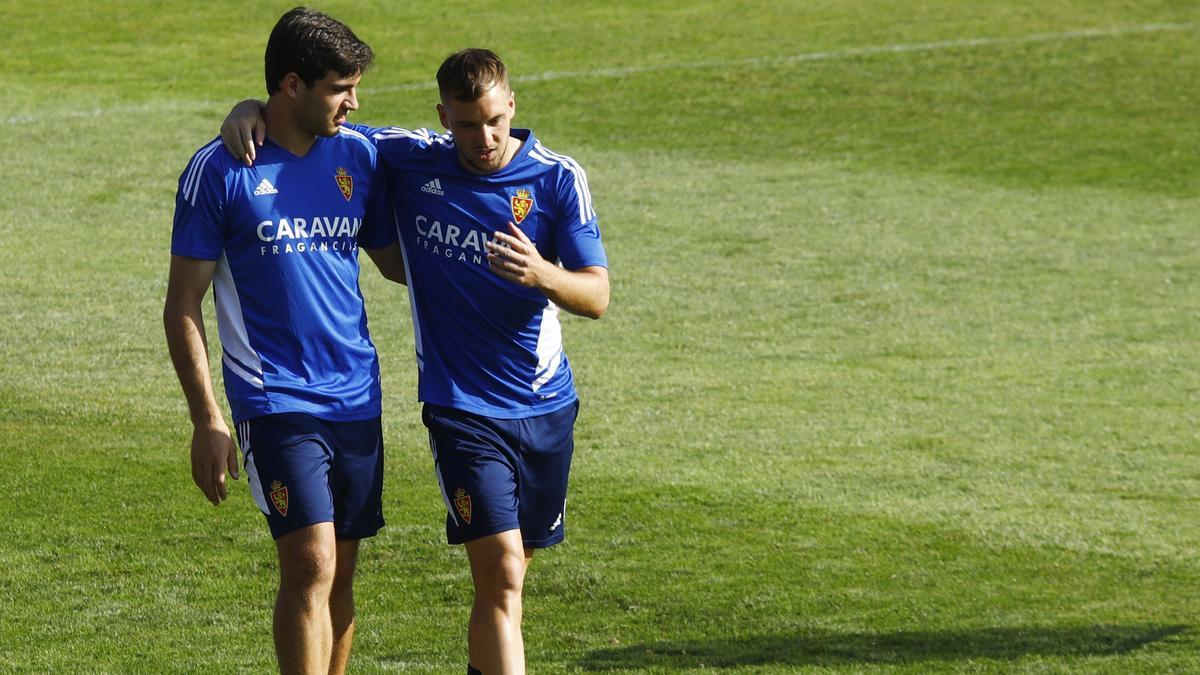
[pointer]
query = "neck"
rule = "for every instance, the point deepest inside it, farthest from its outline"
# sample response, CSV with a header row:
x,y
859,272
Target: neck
x,y
283,130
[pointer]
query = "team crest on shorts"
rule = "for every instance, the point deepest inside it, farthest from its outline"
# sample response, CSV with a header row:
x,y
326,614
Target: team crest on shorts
x,y
462,502
345,183
279,498
522,204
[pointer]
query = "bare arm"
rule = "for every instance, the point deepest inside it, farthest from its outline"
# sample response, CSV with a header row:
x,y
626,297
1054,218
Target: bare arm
x,y
583,291
213,449
390,262
244,130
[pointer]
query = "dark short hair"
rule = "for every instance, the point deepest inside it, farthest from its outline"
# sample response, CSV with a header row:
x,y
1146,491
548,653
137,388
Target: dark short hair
x,y
469,74
311,44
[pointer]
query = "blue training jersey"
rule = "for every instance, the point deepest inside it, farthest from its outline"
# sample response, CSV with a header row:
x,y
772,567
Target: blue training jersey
x,y
285,234
486,345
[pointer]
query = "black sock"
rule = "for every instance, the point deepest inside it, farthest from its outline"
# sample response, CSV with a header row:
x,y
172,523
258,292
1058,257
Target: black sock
x,y
472,670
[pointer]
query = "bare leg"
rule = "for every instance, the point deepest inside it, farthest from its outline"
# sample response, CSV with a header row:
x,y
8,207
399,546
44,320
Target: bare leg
x,y
341,606
498,566
303,632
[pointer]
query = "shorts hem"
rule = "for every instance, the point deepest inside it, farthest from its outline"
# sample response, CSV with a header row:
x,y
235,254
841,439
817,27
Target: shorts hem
x,y
365,533
279,533
459,541
361,533
545,543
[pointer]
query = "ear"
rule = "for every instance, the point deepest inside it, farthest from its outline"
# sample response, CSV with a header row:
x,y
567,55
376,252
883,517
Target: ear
x,y
512,104
291,84
442,116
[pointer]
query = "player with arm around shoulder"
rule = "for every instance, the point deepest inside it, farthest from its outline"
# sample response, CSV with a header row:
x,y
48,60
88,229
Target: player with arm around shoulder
x,y
278,243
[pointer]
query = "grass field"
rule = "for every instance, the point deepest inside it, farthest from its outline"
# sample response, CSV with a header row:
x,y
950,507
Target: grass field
x,y
900,372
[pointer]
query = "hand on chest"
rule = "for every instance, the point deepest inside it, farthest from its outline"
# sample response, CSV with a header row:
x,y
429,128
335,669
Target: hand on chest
x,y
468,217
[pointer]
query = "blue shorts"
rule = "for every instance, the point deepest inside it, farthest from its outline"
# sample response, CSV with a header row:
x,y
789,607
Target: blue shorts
x,y
304,470
498,475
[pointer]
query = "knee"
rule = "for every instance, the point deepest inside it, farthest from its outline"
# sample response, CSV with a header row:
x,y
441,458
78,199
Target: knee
x,y
343,579
502,580
309,572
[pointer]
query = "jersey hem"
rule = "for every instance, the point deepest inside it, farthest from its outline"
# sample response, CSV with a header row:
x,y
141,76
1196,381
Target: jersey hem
x,y
505,413
357,415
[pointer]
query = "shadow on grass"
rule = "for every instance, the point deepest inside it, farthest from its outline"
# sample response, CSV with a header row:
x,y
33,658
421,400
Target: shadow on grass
x,y
885,648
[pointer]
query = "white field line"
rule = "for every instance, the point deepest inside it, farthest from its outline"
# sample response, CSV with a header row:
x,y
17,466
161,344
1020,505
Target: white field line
x,y
751,62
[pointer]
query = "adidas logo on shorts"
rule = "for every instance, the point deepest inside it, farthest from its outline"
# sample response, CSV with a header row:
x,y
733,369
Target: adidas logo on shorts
x,y
265,188
434,187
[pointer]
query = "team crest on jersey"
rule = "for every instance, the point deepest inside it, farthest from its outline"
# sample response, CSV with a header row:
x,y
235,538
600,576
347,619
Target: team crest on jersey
x,y
279,497
462,502
345,183
522,204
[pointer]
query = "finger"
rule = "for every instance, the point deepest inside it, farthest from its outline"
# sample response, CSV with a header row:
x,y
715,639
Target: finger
x,y
219,482
206,487
232,463
501,251
260,134
518,232
499,265
507,243
247,148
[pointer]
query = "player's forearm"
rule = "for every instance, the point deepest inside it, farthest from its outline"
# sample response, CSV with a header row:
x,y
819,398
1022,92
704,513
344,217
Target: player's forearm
x,y
189,354
390,262
584,292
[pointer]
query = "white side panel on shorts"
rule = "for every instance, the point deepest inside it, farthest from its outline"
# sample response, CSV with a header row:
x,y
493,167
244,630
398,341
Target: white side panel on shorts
x,y
441,485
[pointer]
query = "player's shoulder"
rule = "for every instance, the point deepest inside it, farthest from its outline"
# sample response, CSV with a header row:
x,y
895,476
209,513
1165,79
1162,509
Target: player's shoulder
x,y
412,139
564,176
405,148
356,139
557,163
210,163
211,156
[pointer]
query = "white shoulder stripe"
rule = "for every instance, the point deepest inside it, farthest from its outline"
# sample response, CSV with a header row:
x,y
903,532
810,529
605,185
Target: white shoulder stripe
x,y
580,174
190,191
583,194
190,172
352,132
578,190
422,135
401,132
534,154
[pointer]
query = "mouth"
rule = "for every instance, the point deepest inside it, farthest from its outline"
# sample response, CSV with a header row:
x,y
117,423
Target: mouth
x,y
339,120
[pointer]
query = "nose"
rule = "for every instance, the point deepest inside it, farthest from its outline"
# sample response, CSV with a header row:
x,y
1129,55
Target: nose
x,y
352,99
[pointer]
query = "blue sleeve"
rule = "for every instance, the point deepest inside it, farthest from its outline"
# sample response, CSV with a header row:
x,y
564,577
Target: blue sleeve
x,y
379,224
577,231
364,129
198,229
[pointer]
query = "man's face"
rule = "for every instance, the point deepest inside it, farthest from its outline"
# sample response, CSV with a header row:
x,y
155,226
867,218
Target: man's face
x,y
481,127
321,109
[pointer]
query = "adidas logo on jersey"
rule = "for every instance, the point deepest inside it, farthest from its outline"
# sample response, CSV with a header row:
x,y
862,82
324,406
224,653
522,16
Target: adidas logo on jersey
x,y
265,188
434,187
